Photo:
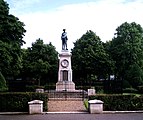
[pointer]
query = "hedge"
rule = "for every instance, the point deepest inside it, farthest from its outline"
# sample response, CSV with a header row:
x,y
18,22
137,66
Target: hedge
x,y
120,102
18,102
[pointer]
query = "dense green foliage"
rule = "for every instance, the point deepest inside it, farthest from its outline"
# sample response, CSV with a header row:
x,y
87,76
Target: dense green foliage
x,y
40,62
37,63
18,102
89,58
126,50
3,86
120,102
11,34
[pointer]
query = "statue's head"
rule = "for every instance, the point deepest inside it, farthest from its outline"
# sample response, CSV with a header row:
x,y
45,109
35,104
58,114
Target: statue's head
x,y
64,30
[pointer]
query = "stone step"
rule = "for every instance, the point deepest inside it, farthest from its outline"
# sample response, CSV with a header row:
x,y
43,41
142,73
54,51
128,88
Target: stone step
x,y
66,105
66,99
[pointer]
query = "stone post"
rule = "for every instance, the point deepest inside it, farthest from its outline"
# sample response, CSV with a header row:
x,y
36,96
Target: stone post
x,y
35,107
95,106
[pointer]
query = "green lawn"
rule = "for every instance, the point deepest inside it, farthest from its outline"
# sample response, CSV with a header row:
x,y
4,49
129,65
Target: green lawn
x,y
86,103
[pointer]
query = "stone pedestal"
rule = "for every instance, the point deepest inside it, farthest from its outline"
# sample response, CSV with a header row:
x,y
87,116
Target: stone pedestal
x,y
65,86
65,82
39,90
91,91
95,106
35,107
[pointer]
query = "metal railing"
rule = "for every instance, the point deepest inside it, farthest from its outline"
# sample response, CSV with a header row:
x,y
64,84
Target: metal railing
x,y
67,95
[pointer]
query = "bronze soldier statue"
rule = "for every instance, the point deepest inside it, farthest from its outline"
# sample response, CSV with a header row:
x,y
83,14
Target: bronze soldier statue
x,y
64,40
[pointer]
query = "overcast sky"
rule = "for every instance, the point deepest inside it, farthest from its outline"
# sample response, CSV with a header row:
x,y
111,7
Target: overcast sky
x,y
45,19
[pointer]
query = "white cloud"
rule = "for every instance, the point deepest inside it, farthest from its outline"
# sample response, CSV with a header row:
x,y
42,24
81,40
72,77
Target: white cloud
x,y
102,17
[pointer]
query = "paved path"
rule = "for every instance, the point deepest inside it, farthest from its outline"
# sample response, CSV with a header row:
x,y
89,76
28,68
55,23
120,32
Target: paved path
x,y
131,116
66,105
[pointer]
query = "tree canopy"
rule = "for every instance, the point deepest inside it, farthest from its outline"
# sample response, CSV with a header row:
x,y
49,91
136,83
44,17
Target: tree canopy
x,y
89,57
40,60
126,50
11,39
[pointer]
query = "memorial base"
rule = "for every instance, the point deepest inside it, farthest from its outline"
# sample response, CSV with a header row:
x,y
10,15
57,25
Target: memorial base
x,y
65,86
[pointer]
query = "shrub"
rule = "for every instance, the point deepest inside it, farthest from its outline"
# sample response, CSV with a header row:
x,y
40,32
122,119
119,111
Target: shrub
x,y
120,102
140,89
49,87
30,88
18,102
130,90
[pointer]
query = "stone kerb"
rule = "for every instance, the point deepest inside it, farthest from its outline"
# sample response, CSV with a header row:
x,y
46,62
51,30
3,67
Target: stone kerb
x,y
95,106
35,107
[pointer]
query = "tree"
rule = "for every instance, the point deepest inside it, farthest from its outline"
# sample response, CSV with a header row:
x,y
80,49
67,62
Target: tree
x,y
3,86
135,76
40,61
111,65
11,40
89,58
126,50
